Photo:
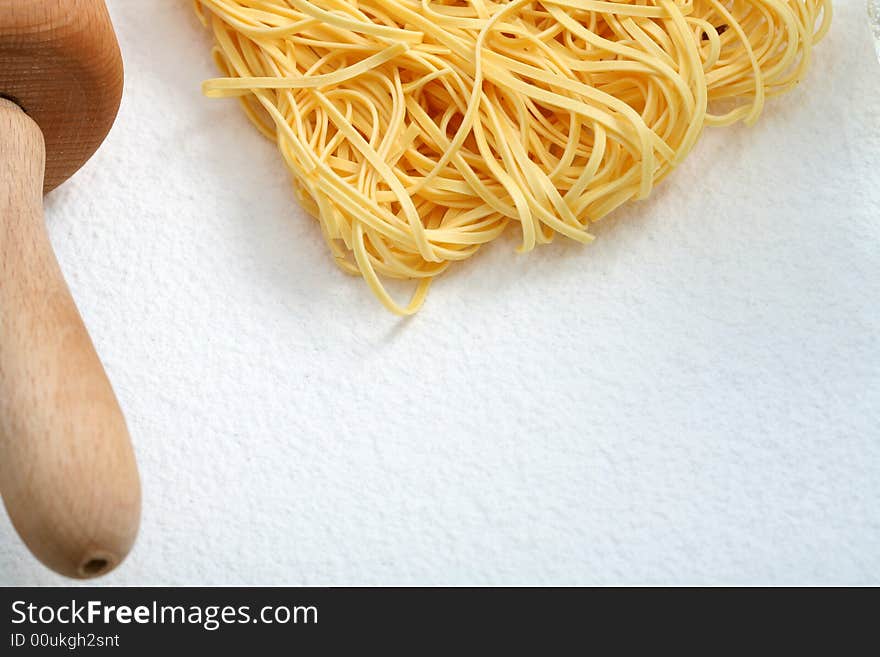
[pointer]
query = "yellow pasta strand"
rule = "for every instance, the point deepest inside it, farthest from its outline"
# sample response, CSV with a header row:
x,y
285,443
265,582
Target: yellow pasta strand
x,y
418,130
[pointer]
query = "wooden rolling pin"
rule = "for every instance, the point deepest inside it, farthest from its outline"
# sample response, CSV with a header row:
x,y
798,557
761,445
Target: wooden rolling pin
x,y
67,470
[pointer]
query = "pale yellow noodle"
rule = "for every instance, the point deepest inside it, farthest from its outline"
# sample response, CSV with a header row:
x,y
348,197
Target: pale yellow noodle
x,y
418,130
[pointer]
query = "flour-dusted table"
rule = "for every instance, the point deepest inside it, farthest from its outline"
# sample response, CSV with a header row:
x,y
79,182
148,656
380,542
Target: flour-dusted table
x,y
694,398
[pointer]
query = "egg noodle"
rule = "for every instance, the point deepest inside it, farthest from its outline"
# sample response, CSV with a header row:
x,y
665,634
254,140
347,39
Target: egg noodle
x,y
418,131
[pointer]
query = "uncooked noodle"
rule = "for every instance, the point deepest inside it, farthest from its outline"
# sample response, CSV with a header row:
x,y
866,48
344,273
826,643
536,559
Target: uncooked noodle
x,y
418,131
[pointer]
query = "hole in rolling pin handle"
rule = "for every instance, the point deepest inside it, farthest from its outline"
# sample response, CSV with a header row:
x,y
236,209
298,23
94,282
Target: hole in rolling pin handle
x,y
94,567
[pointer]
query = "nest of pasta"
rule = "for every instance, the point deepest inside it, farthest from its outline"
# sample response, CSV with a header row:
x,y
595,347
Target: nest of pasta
x,y
418,131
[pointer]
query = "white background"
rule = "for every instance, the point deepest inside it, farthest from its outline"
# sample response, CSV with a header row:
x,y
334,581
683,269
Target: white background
x,y
695,398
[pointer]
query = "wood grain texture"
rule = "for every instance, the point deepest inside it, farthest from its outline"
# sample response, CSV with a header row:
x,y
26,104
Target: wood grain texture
x,y
67,470
60,62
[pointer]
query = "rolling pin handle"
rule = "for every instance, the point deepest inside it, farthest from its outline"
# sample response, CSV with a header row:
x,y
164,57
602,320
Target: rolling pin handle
x,y
67,470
